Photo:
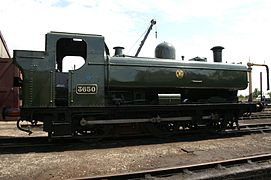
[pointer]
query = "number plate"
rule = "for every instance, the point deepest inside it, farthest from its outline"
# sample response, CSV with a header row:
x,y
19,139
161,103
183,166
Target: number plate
x,y
86,89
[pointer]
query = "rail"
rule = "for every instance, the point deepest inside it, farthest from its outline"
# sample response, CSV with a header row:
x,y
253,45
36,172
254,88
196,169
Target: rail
x,y
178,171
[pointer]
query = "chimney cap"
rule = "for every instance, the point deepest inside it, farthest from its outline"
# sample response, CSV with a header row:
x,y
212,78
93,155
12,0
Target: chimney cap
x,y
118,47
118,51
217,48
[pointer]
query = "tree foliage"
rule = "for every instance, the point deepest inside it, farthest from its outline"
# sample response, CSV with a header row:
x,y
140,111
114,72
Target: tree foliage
x,y
256,93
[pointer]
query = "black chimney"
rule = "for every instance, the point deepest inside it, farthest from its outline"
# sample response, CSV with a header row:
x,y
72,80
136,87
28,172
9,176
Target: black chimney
x,y
217,51
118,51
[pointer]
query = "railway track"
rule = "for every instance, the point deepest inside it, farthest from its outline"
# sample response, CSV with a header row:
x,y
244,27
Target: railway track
x,y
257,127
41,143
27,144
244,168
265,114
251,167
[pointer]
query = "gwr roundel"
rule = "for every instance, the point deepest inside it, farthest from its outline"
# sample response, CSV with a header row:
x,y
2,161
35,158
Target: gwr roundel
x,y
179,73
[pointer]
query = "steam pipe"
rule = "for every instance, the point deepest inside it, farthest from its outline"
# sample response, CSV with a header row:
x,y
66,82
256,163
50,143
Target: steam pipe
x,y
22,129
261,85
250,78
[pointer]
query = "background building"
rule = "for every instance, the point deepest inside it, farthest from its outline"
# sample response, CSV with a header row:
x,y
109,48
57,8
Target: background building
x,y
9,95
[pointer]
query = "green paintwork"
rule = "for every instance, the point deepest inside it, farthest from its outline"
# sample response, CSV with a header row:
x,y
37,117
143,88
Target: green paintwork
x,y
38,70
158,73
38,78
39,73
92,72
89,74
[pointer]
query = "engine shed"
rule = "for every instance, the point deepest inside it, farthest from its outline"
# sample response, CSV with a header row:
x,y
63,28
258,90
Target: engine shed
x,y
9,95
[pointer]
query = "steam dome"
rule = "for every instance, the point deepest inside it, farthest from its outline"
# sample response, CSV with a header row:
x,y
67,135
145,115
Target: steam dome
x,y
165,51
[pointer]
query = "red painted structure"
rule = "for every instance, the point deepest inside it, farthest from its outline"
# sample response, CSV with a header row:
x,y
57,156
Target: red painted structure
x,y
9,95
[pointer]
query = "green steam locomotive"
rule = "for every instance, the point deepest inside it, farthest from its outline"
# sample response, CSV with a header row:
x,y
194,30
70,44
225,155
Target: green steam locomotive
x,y
110,94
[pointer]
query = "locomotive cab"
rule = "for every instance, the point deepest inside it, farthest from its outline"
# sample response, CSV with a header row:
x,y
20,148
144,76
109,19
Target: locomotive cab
x,y
67,48
47,85
85,84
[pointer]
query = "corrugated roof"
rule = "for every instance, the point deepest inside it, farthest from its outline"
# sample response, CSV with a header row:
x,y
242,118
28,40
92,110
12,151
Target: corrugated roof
x,y
4,44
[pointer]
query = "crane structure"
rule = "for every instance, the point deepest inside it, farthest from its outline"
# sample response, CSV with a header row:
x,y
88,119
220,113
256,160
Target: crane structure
x,y
153,22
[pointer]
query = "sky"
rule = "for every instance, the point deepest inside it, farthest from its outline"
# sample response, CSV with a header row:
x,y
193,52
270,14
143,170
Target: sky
x,y
193,27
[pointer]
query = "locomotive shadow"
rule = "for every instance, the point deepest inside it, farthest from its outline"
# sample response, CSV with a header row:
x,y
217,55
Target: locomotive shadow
x,y
62,145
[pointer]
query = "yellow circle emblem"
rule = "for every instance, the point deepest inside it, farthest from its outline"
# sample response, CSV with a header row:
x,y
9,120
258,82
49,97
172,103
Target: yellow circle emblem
x,y
179,73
